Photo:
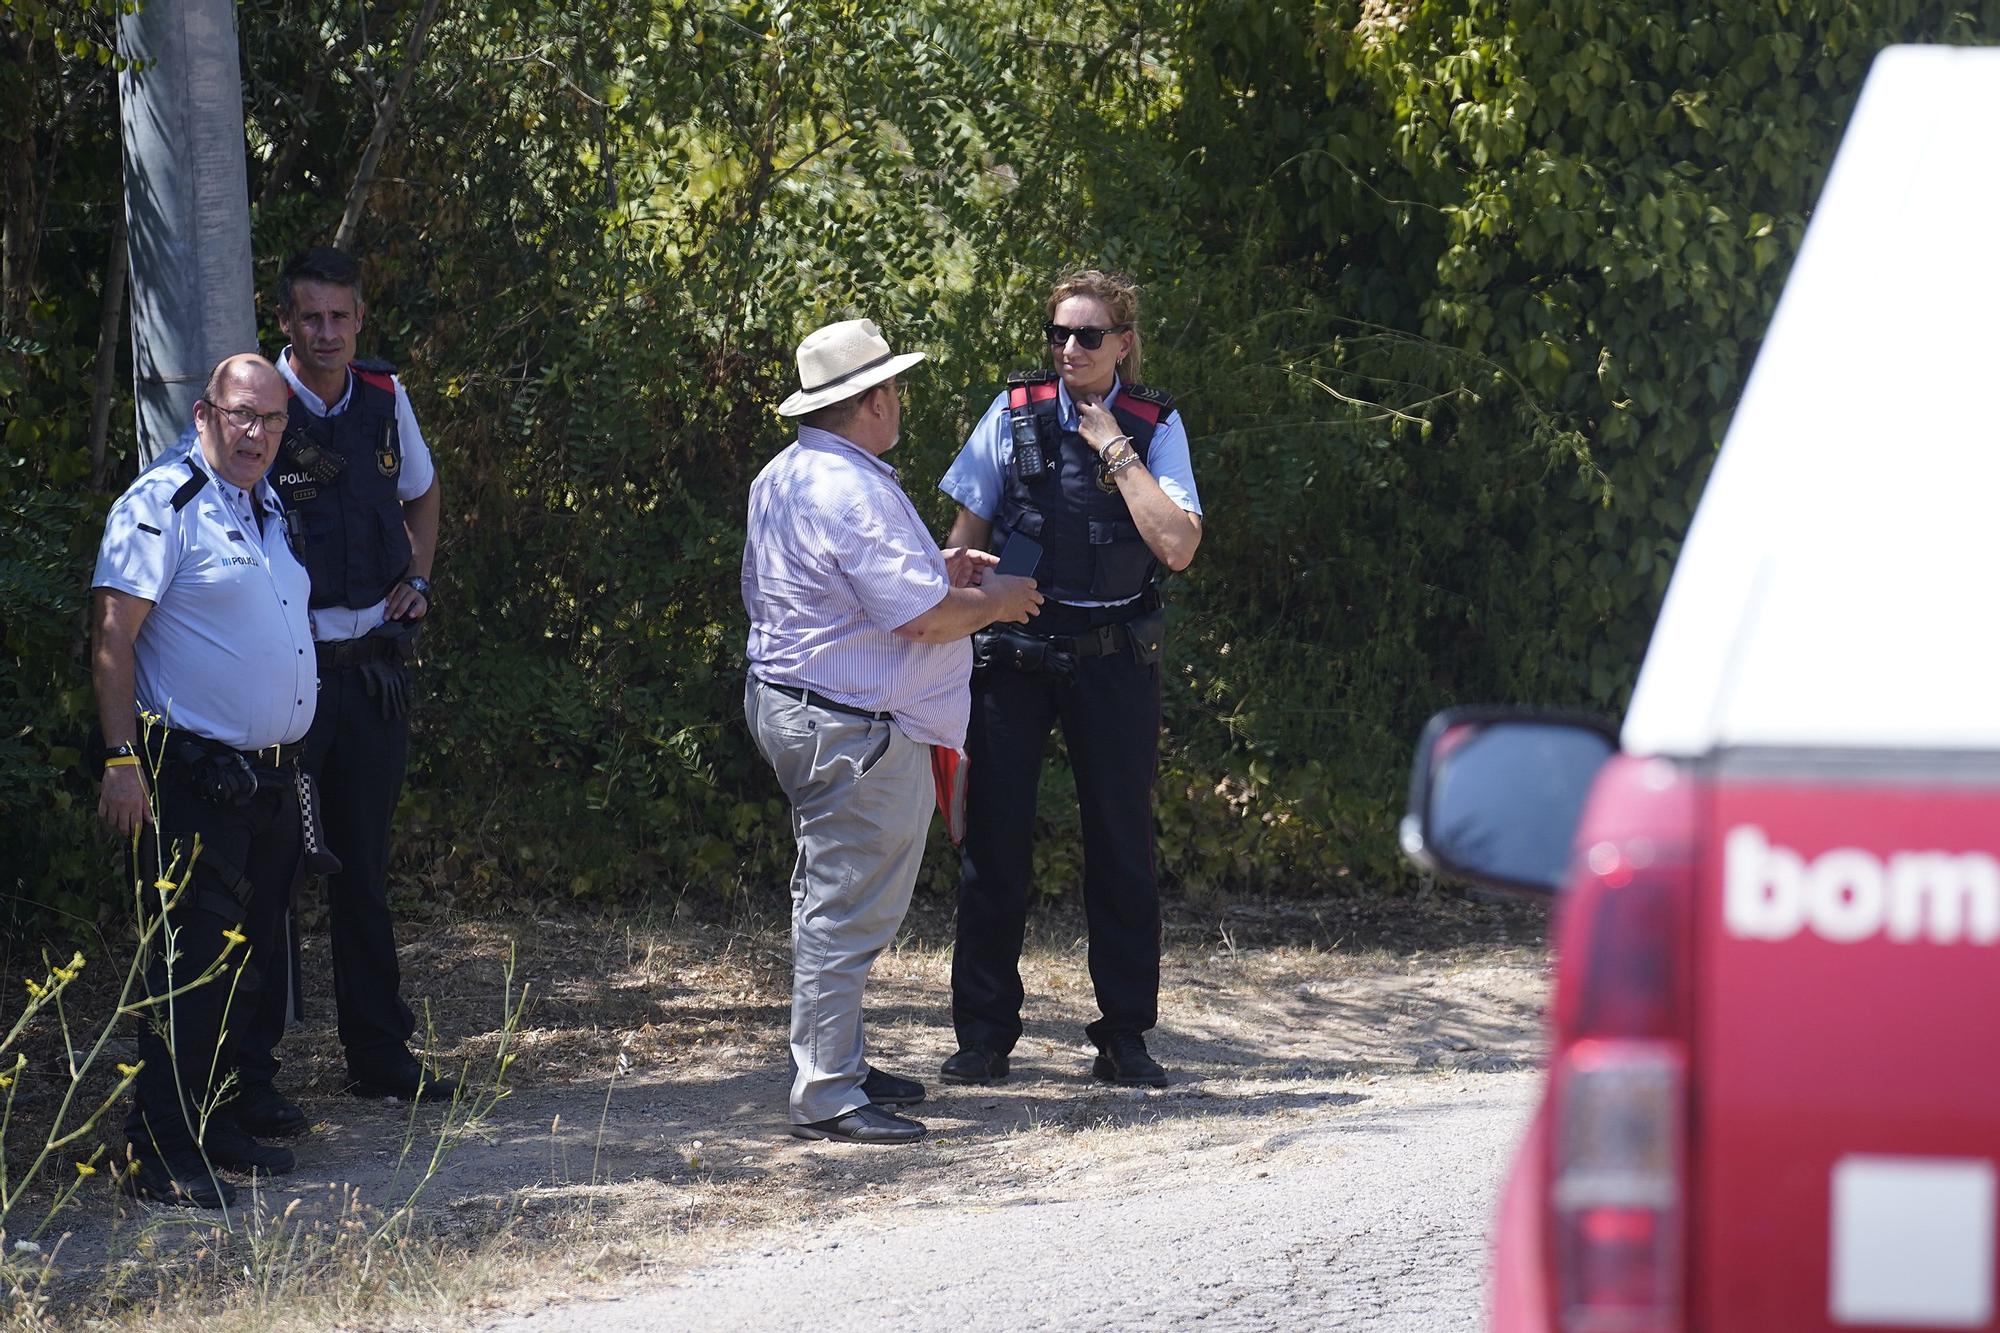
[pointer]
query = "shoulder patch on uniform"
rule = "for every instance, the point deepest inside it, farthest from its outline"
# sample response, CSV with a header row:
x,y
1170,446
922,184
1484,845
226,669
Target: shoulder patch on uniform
x,y
1146,393
1031,377
189,489
376,379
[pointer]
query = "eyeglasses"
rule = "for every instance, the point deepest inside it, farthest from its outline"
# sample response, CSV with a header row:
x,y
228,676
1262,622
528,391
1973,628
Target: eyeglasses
x,y
243,417
1089,337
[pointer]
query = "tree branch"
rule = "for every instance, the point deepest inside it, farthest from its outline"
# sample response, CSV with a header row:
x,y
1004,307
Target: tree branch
x,y
110,320
278,179
385,122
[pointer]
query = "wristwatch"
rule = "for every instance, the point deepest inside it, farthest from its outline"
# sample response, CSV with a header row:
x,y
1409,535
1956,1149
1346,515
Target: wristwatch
x,y
121,756
422,585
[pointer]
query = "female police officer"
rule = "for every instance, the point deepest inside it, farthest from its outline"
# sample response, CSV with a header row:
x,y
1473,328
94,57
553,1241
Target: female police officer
x,y
1093,467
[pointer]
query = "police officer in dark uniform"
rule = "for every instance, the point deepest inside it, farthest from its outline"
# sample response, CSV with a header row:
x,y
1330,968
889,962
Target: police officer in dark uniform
x,y
355,473
203,665
1092,467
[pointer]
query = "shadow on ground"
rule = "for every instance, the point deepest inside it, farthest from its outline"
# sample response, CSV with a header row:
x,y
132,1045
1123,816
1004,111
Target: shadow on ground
x,y
649,1087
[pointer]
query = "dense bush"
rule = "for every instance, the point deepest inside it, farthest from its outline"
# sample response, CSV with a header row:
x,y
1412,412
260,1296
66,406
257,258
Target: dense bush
x,y
1456,298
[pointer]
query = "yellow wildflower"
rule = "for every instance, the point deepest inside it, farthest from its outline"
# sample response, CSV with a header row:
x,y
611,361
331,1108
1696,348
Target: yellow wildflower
x,y
35,988
84,1170
234,938
6,1080
128,1071
165,885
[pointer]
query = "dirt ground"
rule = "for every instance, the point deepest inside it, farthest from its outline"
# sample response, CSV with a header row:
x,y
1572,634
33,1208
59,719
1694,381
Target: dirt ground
x,y
643,1130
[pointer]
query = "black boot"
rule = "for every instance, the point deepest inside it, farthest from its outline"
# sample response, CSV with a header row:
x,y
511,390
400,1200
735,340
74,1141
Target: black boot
x,y
230,1146
1122,1059
267,1113
180,1178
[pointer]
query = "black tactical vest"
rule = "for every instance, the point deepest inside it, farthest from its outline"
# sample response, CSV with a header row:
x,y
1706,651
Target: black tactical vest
x,y
1091,549
337,477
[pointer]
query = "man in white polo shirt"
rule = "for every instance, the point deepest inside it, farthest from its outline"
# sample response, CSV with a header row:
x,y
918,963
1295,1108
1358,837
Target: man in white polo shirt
x,y
199,623
859,665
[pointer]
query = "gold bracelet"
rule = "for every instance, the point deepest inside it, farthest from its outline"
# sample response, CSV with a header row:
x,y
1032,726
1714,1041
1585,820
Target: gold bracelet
x,y
122,761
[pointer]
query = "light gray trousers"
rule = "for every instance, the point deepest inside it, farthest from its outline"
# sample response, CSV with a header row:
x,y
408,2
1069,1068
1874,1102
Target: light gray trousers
x,y
861,800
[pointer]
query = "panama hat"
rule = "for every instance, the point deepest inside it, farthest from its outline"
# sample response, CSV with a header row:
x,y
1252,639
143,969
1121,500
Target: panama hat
x,y
839,361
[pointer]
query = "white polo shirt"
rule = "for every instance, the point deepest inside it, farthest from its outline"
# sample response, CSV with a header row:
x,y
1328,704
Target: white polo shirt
x,y
226,651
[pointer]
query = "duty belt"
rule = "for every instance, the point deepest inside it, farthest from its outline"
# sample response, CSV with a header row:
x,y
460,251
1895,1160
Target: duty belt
x,y
1100,642
224,775
270,757
345,653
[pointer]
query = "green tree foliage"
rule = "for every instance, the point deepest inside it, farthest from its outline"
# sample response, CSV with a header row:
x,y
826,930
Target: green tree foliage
x,y
1479,285
58,210
595,296
1456,298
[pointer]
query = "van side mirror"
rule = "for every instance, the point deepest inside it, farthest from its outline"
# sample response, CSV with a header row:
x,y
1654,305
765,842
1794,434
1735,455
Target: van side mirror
x,y
1496,794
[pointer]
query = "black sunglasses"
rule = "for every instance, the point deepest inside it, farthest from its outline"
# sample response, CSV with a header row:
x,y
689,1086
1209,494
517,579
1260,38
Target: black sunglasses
x,y
1089,337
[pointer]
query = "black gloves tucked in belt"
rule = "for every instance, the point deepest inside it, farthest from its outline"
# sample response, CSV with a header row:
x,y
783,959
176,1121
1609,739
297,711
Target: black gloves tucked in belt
x,y
389,685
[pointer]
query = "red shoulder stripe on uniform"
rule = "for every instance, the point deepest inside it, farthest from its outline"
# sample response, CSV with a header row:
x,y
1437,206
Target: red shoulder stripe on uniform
x,y
1041,393
385,382
1017,396
1140,408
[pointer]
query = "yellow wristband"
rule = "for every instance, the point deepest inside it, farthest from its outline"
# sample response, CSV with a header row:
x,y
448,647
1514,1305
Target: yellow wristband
x,y
122,760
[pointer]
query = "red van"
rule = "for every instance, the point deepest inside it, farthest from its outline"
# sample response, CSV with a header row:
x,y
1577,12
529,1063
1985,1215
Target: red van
x,y
1773,1100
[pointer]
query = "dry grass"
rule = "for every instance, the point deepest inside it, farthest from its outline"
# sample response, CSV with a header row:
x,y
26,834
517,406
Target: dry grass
x,y
645,1129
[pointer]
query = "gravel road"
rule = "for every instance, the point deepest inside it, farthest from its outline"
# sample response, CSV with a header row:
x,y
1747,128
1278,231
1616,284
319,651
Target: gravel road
x,y
1370,1216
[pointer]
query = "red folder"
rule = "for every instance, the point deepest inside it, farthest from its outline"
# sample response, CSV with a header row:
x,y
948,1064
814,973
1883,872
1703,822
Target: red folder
x,y
948,771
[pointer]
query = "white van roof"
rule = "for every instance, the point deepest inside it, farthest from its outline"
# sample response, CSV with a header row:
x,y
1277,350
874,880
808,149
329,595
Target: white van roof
x,y
1840,582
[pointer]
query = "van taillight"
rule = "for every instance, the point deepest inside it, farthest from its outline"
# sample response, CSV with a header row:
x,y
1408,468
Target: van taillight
x,y
1617,1161
1615,1187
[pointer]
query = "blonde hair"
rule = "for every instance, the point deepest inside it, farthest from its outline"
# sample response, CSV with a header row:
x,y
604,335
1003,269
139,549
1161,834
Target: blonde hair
x,y
1120,296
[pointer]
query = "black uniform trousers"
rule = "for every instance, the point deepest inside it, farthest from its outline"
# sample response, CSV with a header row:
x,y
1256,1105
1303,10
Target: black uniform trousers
x,y
249,863
1110,717
358,757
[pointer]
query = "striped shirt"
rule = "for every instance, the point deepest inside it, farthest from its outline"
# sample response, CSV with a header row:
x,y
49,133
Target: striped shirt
x,y
834,559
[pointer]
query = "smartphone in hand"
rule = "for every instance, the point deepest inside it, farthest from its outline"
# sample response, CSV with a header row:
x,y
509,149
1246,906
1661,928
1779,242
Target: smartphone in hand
x,y
1020,555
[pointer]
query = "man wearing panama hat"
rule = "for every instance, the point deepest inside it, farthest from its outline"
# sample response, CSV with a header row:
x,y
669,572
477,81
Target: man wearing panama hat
x,y
859,664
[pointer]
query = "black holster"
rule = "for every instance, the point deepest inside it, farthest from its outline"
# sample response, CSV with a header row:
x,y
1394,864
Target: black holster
x,y
217,774
1010,649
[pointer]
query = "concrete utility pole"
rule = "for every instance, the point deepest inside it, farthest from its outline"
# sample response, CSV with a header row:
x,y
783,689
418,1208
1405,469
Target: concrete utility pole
x,y
188,205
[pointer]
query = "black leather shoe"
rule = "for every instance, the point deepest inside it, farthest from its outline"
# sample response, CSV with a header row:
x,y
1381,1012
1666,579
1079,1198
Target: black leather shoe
x,y
888,1090
405,1079
267,1113
229,1146
1122,1059
864,1124
973,1065
181,1179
